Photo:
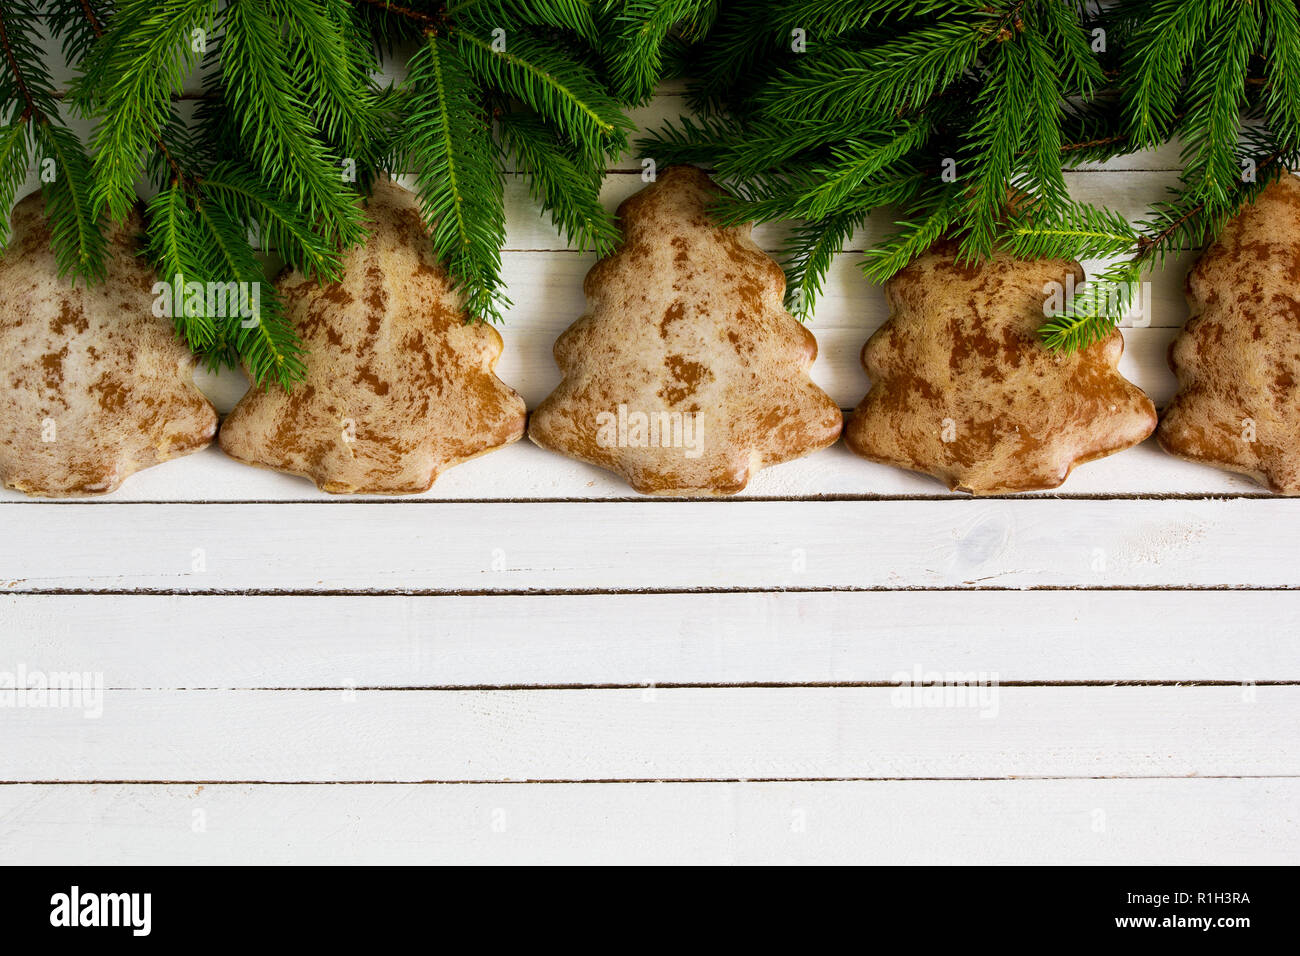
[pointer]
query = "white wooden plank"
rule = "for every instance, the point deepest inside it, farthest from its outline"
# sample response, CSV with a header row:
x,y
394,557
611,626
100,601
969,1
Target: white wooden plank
x,y
880,822
150,642
693,545
654,734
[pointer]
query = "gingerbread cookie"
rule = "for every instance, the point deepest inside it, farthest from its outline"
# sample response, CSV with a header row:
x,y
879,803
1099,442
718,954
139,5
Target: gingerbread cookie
x,y
93,386
1238,357
399,385
963,389
686,374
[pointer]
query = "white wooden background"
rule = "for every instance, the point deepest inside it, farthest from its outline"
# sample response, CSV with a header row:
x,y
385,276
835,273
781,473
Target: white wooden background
x,y
531,664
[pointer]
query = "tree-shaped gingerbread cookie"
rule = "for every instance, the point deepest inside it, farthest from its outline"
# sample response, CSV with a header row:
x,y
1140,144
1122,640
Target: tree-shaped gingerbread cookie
x,y
686,374
1238,357
963,389
93,385
399,386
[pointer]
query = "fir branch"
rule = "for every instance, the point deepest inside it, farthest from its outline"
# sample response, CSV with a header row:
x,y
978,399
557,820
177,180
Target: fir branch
x,y
807,255
1062,30
77,24
127,80
643,27
857,161
570,193
992,143
553,84
742,40
76,228
331,68
784,195
1044,180
176,248
1079,231
77,234
1211,125
1282,53
889,256
275,127
1094,312
576,15
1163,39
458,178
15,151
1090,316
279,225
695,140
428,21
897,76
267,345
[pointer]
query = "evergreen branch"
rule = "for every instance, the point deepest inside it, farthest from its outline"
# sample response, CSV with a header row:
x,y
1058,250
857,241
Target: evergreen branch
x,y
1093,131
331,67
1211,126
781,195
1042,159
694,140
1079,231
1282,52
76,228
77,235
1062,30
14,157
570,193
428,21
274,124
267,344
77,24
128,78
458,179
808,254
1005,111
897,76
768,145
1160,45
643,26
26,80
553,84
831,18
741,41
889,256
857,161
80,26
575,15
1092,314
279,225
176,250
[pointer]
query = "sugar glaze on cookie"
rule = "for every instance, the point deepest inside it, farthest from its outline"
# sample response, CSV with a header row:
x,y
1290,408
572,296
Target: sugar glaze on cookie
x,y
1238,357
963,389
399,384
686,374
93,386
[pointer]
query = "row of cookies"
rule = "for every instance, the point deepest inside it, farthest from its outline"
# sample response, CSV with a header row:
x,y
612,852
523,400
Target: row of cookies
x,y
685,375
